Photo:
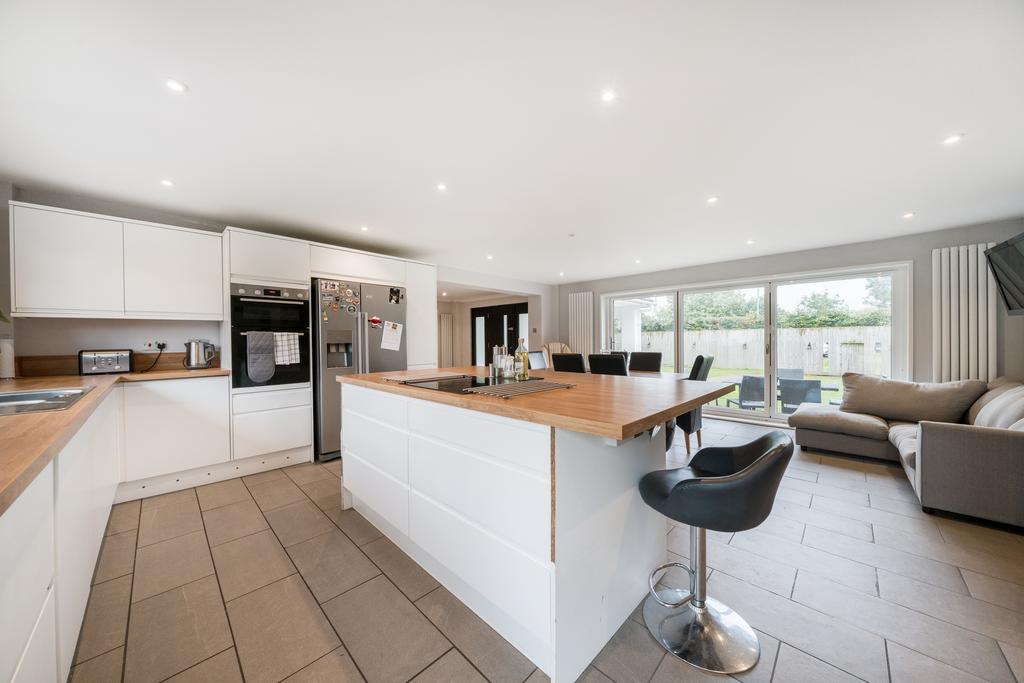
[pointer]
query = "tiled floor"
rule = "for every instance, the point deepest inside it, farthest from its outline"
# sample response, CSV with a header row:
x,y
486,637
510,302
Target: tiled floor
x,y
266,578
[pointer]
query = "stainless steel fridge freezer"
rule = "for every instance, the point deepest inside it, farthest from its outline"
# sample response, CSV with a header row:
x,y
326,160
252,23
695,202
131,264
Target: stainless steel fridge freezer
x,y
357,328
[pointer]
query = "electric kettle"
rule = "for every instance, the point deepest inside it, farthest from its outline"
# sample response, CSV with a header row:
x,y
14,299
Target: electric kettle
x,y
199,354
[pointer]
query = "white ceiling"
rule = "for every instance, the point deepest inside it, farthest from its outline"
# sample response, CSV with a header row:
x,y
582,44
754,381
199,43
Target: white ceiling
x,y
816,123
450,291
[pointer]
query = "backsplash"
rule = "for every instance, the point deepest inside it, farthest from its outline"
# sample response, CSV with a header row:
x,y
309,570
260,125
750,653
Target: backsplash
x,y
62,336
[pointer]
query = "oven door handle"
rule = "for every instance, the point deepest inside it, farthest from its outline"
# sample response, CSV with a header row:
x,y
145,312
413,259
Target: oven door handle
x,y
271,301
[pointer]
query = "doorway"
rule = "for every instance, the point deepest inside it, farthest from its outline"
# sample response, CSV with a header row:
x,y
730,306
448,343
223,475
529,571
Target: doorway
x,y
497,326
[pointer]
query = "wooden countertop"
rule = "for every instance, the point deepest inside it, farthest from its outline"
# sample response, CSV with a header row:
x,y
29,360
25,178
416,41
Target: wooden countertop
x,y
30,441
603,405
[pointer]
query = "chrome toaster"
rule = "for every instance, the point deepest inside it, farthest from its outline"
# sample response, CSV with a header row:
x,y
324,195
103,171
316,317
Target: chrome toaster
x,y
105,362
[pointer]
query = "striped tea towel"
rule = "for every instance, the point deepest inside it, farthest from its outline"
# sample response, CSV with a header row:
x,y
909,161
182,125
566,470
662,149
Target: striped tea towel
x,y
286,348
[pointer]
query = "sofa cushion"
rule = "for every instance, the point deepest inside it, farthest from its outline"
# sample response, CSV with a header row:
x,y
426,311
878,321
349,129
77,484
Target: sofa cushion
x,y
903,435
910,401
908,453
828,419
996,388
1004,410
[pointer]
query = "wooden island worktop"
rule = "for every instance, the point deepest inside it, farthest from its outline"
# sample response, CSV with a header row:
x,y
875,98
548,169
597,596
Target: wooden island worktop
x,y
30,441
526,508
603,405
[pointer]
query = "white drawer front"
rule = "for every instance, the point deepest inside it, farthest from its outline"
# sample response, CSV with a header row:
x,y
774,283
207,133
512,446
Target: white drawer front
x,y
390,409
26,548
271,400
39,661
512,503
386,496
382,446
272,430
515,583
520,443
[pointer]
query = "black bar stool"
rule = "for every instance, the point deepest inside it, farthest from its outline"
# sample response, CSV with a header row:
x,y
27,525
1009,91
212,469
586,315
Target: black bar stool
x,y
723,489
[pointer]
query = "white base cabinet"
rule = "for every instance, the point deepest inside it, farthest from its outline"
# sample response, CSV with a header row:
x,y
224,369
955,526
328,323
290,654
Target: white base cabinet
x,y
85,481
175,425
26,572
39,661
271,421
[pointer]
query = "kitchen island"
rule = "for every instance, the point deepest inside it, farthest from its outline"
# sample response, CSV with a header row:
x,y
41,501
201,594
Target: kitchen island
x,y
525,508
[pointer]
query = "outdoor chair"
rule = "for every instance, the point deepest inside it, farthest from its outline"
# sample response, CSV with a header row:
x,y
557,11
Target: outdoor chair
x,y
797,391
751,394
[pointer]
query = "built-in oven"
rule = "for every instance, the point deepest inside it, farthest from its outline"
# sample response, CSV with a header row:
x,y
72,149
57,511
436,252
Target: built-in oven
x,y
259,308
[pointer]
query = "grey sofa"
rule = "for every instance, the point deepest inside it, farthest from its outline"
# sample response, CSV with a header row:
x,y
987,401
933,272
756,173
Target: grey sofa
x,y
961,444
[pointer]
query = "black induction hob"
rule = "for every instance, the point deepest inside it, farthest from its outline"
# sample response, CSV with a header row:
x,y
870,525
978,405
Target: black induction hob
x,y
457,385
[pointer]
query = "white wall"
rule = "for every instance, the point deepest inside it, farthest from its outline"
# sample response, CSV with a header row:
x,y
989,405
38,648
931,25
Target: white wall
x,y
916,248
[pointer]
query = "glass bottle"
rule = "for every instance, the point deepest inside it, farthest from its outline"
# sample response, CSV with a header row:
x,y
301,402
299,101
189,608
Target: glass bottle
x,y
522,361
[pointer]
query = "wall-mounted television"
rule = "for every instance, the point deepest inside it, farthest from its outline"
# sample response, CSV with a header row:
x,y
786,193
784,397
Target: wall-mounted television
x,y
1006,260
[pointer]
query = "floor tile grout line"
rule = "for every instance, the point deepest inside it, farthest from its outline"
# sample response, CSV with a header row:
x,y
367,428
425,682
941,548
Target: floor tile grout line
x,y
306,584
220,591
131,593
203,661
910,609
435,661
438,628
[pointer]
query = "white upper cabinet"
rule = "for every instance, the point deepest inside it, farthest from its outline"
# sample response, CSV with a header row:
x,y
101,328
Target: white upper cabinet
x,y
421,314
66,264
264,257
172,273
354,265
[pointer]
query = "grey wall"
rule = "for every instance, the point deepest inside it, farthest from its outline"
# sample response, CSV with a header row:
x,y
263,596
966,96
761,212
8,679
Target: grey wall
x,y
917,248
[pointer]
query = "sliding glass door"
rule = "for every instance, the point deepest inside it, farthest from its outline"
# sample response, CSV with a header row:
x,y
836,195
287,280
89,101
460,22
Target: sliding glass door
x,y
644,323
729,327
781,342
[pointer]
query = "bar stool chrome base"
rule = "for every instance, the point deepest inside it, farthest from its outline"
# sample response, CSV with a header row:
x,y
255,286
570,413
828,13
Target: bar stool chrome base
x,y
712,637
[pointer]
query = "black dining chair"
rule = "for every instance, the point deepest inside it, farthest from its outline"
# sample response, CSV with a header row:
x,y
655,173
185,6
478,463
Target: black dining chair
x,y
692,421
796,391
607,364
537,361
567,362
751,394
727,489
645,361
624,354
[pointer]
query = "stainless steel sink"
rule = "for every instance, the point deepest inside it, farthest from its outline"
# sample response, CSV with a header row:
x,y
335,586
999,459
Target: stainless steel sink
x,y
17,402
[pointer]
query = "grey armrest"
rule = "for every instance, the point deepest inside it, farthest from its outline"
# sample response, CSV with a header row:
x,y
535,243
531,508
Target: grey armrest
x,y
970,470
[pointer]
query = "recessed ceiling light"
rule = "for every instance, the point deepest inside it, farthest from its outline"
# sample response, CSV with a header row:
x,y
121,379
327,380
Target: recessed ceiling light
x,y
490,257
441,187
953,139
364,228
908,214
712,199
561,275
444,293
176,85
167,182
636,261
608,95
750,241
